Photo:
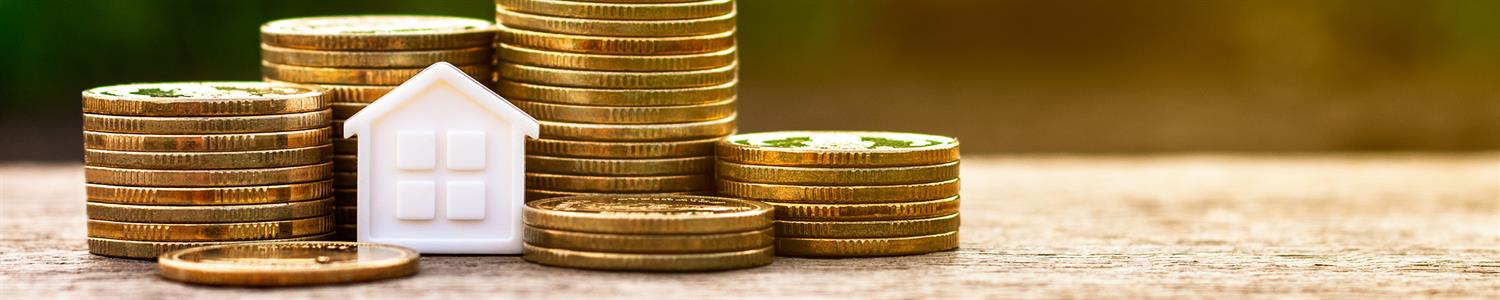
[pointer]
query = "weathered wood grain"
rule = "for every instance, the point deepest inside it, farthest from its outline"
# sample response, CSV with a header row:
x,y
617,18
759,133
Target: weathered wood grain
x,y
1321,226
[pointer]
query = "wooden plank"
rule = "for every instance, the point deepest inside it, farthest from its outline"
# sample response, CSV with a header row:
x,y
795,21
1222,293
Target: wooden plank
x,y
1034,226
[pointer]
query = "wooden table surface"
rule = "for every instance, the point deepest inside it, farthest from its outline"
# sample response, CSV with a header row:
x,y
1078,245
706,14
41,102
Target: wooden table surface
x,y
1319,225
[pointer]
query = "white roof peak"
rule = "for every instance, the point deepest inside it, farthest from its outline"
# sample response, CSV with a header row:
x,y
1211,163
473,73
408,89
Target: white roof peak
x,y
442,72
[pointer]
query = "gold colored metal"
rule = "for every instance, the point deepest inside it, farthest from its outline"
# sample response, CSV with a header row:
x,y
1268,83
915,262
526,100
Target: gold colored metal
x,y
151,250
650,243
627,114
837,176
538,194
206,125
616,45
346,214
588,149
341,93
648,214
839,194
346,146
619,167
345,179
207,178
621,184
211,232
288,264
378,32
345,162
866,211
605,62
375,59
618,79
230,195
602,27
638,132
208,160
867,229
615,97
207,142
866,247
647,262
345,197
838,149
324,75
180,99
615,11
343,111
209,213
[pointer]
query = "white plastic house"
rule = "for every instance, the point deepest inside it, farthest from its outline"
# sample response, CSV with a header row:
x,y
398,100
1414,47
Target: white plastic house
x,y
441,166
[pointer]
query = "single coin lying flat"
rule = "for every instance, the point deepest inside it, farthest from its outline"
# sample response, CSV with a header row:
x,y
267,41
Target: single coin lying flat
x,y
288,263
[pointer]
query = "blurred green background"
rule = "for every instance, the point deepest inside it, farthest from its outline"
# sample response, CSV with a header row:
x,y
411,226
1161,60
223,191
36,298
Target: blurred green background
x,y
1003,76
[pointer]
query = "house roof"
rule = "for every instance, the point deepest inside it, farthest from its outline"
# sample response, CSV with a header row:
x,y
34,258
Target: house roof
x,y
442,72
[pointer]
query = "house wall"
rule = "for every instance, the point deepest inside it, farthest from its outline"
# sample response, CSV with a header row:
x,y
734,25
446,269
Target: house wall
x,y
442,109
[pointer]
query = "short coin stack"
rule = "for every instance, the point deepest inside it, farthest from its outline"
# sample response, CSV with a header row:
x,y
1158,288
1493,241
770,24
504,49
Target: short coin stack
x,y
631,95
648,233
360,58
847,194
177,165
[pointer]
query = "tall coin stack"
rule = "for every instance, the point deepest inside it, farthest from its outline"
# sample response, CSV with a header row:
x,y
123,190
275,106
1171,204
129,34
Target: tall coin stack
x,y
848,194
648,233
358,59
630,96
178,165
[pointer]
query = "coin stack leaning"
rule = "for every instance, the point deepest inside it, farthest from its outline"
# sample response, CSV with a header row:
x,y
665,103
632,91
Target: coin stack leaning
x,y
358,59
631,95
648,233
178,165
848,193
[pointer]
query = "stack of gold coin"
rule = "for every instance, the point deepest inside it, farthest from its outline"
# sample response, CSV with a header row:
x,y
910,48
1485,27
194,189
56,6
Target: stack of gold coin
x,y
360,58
631,94
648,233
177,165
848,193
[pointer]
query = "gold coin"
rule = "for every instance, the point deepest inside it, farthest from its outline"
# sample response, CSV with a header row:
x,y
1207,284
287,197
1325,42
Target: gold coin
x,y
838,149
345,162
866,211
346,197
638,132
837,176
617,79
864,247
648,214
374,59
208,160
286,264
627,167
356,76
647,262
346,146
347,232
615,97
620,184
207,178
605,62
344,111
231,195
207,142
342,93
214,232
601,27
589,149
616,45
378,32
210,213
345,180
346,214
338,127
612,11
866,229
202,99
206,125
627,114
151,250
650,243
537,194
839,194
